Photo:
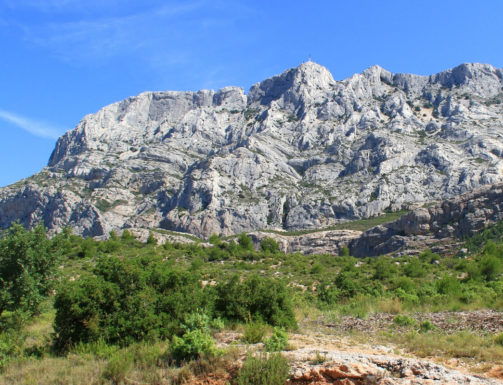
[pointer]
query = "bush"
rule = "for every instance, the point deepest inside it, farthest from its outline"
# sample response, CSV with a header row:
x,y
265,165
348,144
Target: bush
x,y
426,326
254,332
192,345
27,268
327,293
214,239
347,285
256,298
490,267
99,349
316,269
126,237
118,367
272,370
88,248
269,245
245,242
415,269
448,285
126,301
277,342
404,320
151,240
10,346
197,320
344,251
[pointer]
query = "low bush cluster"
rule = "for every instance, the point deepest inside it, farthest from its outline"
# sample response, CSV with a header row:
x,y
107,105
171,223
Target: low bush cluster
x,y
128,300
260,299
270,370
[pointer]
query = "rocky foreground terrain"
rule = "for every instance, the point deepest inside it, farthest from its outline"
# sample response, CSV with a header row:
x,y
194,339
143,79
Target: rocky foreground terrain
x,y
323,358
299,150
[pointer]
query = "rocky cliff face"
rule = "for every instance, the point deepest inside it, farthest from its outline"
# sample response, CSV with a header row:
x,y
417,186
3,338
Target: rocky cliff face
x,y
300,150
433,226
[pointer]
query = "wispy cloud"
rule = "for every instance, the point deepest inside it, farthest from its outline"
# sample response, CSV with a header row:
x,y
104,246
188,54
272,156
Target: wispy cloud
x,y
97,36
34,127
159,37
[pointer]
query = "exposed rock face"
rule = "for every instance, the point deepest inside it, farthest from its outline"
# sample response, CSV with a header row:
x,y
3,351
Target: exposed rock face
x,y
301,150
359,369
320,242
454,218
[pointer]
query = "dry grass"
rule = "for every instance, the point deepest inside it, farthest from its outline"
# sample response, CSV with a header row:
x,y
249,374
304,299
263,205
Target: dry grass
x,y
146,364
475,351
58,371
459,345
390,305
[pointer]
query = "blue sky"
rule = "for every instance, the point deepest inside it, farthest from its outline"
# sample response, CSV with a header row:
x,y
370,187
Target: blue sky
x,y
63,59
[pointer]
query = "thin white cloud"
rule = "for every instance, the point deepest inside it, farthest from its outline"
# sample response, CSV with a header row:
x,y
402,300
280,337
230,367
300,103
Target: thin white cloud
x,y
34,127
99,38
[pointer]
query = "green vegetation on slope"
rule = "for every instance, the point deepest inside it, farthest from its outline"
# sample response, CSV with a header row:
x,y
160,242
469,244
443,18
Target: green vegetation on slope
x,y
115,297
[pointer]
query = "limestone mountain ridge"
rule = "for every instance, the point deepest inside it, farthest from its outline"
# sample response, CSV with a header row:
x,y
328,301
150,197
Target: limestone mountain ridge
x,y
299,151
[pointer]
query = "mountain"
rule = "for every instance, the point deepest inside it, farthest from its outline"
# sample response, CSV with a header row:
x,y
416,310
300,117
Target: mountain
x,y
300,150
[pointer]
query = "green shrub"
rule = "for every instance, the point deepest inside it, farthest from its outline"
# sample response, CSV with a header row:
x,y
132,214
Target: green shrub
x,y
426,326
344,251
407,297
151,240
263,370
278,341
327,293
193,344
347,284
385,269
403,320
197,320
88,248
28,265
126,237
214,239
316,269
97,348
258,298
245,242
318,358
118,367
126,301
490,267
414,269
254,332
448,285
269,245
146,356
217,324
10,346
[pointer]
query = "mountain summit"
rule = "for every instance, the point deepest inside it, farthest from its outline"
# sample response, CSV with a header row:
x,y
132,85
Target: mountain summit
x,y
301,150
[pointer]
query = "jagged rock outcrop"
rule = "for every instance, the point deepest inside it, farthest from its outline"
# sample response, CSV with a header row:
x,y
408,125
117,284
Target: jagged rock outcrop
x,y
300,150
319,242
442,222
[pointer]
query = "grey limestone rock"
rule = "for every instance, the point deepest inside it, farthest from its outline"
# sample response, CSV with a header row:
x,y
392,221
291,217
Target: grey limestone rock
x,y
300,150
443,222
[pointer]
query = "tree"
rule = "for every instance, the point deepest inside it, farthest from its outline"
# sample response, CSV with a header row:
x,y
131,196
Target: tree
x,y
270,245
151,240
245,242
27,268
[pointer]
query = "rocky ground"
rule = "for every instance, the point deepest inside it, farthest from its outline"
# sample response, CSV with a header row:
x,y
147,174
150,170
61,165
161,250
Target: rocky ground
x,y
323,355
481,321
